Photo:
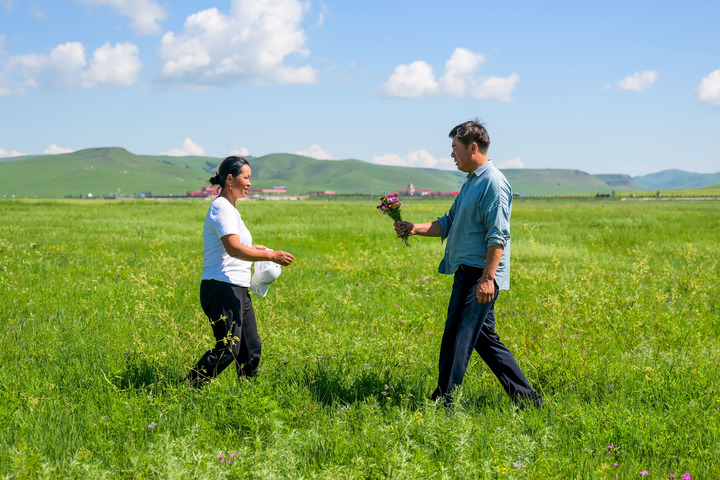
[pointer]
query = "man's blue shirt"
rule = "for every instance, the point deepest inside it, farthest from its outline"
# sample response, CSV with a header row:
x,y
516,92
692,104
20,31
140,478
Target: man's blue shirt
x,y
479,218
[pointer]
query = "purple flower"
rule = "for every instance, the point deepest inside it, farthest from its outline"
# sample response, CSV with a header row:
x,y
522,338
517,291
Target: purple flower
x,y
644,472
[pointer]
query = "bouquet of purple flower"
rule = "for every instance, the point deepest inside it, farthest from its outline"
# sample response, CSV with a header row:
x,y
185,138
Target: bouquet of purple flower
x,y
390,205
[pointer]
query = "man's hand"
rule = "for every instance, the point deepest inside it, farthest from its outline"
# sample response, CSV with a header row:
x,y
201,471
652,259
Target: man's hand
x,y
401,227
485,291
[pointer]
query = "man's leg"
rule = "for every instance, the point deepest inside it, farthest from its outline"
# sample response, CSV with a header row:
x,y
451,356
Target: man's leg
x,y
503,364
462,329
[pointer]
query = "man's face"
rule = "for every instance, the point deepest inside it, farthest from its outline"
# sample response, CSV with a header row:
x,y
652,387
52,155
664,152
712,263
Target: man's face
x,y
463,156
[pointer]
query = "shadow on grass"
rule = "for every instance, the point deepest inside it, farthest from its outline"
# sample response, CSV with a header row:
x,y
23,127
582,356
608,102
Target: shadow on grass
x,y
339,382
140,373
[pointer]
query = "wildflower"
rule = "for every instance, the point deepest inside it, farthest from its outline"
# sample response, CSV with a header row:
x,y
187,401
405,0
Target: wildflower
x,y
152,426
390,205
518,464
644,472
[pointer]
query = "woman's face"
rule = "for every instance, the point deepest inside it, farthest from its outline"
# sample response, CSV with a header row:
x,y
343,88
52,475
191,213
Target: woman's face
x,y
241,183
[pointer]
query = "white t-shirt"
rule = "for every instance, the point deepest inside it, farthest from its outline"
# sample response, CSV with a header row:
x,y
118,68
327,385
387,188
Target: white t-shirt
x,y
224,219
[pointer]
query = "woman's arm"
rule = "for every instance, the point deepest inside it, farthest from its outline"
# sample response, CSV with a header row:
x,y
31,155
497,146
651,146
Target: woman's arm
x,y
234,248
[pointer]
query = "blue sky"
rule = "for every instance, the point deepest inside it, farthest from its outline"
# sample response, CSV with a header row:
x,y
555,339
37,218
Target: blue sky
x,y
599,86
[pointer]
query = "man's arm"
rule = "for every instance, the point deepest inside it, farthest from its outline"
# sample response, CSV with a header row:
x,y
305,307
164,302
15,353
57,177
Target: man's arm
x,y
430,229
486,286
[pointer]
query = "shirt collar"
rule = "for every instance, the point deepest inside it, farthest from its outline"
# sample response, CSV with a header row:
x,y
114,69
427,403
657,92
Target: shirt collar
x,y
479,171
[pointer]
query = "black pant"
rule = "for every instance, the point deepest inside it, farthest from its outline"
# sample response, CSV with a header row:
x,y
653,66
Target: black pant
x,y
471,325
230,312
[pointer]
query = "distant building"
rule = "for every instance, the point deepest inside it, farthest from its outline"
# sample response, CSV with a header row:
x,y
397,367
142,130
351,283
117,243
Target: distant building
x,y
207,191
267,190
411,190
322,192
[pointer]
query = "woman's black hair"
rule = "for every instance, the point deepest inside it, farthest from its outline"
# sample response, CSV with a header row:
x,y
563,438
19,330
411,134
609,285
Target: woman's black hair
x,y
232,164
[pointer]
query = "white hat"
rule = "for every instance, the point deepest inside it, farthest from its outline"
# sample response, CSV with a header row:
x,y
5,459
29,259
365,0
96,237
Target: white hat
x,y
265,274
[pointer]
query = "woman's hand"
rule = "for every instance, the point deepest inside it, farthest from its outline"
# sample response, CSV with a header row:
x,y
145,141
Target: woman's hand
x,y
281,258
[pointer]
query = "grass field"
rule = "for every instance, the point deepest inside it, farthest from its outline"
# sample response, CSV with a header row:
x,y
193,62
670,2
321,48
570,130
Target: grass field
x,y
613,314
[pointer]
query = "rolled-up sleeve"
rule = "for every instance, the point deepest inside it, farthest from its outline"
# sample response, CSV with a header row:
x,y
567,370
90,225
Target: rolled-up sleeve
x,y
498,222
445,222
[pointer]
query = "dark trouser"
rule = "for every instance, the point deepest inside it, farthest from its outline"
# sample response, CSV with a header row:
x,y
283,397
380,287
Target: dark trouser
x,y
471,325
230,312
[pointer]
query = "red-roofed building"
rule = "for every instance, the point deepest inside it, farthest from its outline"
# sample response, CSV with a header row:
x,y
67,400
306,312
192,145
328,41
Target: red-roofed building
x,y
207,191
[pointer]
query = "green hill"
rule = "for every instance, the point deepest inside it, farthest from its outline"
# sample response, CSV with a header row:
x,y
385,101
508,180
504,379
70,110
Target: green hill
x,y
564,182
303,174
677,179
100,171
115,171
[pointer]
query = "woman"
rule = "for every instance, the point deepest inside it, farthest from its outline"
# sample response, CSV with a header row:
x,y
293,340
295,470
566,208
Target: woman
x,y
224,296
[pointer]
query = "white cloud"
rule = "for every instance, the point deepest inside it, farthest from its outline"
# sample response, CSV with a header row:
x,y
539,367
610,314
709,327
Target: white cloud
x,y
55,150
242,152
459,70
497,88
639,81
12,153
144,14
190,148
418,158
414,80
418,80
252,43
110,66
709,89
66,68
315,152
512,163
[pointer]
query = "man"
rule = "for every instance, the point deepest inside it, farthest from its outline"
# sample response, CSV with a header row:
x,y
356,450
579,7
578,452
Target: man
x,y
477,252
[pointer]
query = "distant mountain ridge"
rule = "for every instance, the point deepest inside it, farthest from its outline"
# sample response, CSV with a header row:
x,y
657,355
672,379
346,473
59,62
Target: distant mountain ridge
x,y
116,171
677,179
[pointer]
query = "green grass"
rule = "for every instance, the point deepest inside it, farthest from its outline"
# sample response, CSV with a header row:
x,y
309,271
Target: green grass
x,y
612,314
710,191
